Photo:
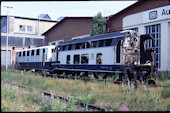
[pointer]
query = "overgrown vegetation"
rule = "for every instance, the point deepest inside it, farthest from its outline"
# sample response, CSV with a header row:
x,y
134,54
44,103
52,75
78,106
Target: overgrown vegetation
x,y
117,97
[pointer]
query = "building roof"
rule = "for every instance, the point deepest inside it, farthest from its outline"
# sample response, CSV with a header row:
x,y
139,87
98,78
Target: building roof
x,y
65,18
42,19
118,35
44,16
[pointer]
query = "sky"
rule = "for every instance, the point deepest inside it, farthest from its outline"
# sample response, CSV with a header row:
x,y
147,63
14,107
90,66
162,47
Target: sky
x,y
56,9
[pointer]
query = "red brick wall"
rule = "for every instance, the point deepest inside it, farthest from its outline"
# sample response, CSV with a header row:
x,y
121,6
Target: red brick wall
x,y
69,28
115,22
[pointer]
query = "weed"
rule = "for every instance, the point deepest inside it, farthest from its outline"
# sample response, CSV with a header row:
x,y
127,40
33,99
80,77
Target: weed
x,y
7,93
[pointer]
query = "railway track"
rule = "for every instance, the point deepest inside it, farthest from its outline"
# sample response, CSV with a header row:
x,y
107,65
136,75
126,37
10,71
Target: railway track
x,y
79,105
85,79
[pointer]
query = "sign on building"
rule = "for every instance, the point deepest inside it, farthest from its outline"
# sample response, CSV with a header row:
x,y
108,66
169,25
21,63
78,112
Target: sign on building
x,y
156,14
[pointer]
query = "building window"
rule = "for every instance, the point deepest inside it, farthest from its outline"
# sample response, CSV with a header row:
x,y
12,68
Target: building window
x,y
76,59
135,29
84,59
22,27
29,28
68,59
155,31
99,58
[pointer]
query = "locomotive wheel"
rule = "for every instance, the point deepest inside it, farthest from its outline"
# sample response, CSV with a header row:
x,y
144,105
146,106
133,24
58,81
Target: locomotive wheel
x,y
151,82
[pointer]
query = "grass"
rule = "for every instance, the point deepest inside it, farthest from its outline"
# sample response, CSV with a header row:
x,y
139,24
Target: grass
x,y
111,95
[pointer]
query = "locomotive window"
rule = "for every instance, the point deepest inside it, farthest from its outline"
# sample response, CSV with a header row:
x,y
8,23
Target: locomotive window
x,y
83,45
32,52
101,43
99,58
38,52
63,48
108,42
43,50
19,54
76,59
66,47
24,53
69,47
68,59
52,50
118,52
84,58
28,52
94,44
86,45
78,46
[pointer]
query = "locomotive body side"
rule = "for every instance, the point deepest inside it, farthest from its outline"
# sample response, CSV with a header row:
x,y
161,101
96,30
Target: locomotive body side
x,y
107,63
98,57
35,58
125,55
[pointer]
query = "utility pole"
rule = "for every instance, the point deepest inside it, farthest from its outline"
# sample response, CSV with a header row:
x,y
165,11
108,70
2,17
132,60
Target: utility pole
x,y
7,37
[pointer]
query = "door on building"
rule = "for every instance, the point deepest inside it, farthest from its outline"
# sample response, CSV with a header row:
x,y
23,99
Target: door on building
x,y
3,57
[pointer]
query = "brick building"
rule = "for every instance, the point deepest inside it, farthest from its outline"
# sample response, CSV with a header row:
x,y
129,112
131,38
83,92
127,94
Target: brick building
x,y
68,28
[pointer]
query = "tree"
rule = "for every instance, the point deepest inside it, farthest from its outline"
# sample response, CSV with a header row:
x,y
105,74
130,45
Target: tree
x,y
99,25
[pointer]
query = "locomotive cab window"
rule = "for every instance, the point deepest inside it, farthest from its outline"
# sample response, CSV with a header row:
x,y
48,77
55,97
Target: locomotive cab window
x,y
99,58
76,59
68,59
84,58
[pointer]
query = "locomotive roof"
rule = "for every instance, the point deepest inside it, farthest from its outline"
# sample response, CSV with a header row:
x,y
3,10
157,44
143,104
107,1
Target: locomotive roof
x,y
117,35
42,47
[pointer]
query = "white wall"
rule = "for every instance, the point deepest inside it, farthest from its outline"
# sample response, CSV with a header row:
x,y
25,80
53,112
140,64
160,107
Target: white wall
x,y
164,46
135,20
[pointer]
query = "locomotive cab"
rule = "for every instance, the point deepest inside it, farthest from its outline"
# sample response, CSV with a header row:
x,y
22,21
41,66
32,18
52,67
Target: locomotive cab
x,y
139,61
